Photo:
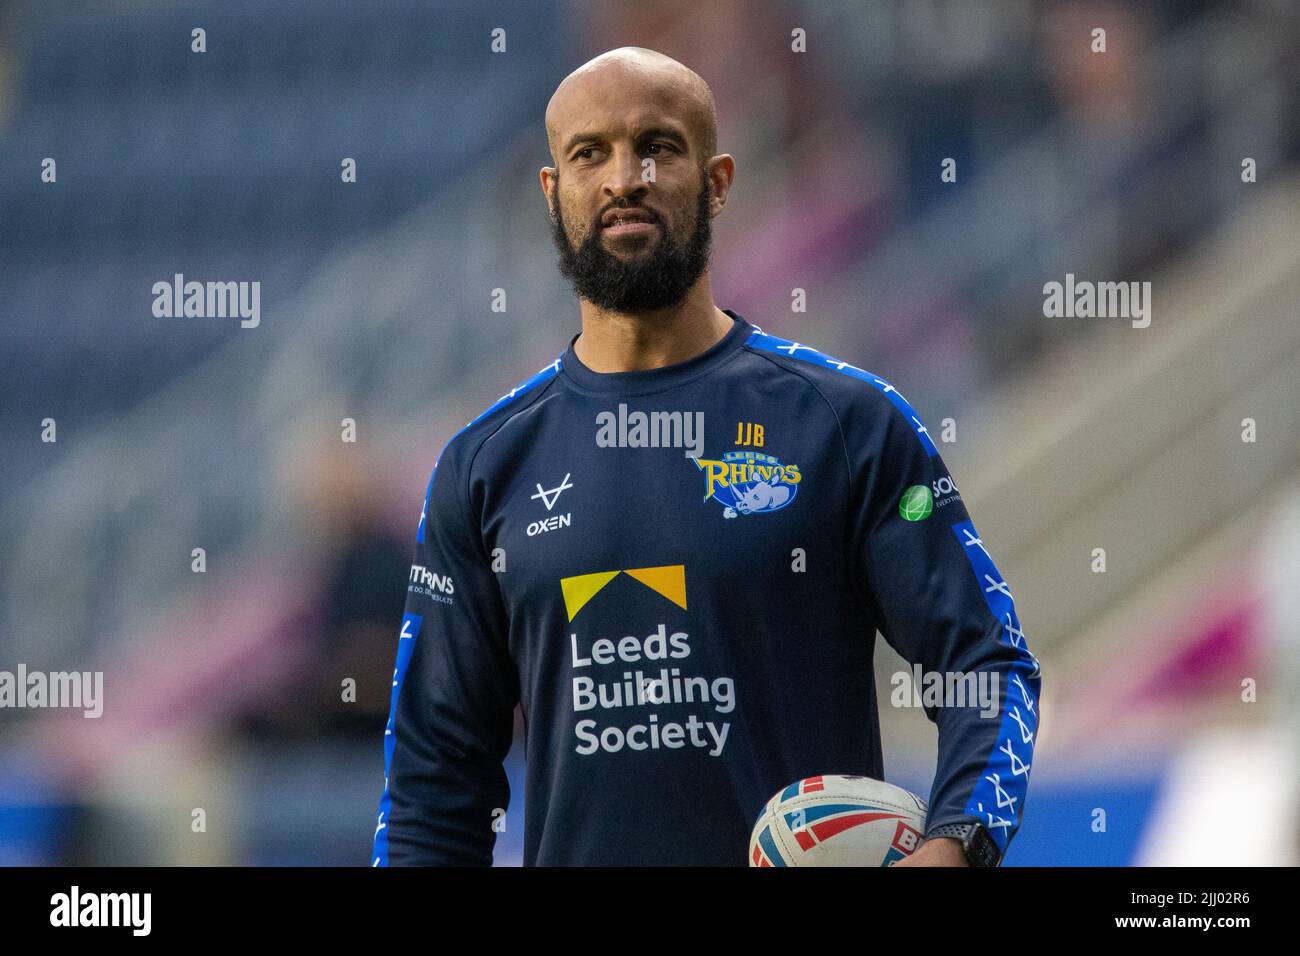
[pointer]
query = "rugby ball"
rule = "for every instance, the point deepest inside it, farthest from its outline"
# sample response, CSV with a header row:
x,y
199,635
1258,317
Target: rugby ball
x,y
838,820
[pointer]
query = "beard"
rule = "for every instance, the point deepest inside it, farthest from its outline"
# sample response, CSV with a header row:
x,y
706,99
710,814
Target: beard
x,y
644,282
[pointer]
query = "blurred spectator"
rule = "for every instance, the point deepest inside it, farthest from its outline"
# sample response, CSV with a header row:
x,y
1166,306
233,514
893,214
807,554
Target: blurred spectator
x,y
363,570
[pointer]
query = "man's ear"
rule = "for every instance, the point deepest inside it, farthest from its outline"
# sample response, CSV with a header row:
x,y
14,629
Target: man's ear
x,y
722,172
545,176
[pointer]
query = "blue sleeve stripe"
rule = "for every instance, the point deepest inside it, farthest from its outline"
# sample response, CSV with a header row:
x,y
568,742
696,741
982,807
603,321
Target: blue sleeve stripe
x,y
411,622
1000,792
522,388
758,339
405,648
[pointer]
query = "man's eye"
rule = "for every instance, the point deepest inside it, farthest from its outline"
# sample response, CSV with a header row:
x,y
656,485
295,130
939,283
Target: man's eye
x,y
650,146
584,153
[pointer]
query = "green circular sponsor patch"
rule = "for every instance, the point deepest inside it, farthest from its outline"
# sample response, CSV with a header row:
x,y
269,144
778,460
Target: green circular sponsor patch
x,y
916,503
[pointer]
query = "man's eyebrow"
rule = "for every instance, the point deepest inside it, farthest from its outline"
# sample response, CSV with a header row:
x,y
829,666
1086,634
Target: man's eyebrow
x,y
650,132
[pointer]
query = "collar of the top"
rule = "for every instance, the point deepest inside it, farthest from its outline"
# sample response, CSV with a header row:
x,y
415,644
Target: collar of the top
x,y
655,379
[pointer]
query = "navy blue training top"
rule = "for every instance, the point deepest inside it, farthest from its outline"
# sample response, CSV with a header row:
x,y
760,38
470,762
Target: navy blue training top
x,y
679,574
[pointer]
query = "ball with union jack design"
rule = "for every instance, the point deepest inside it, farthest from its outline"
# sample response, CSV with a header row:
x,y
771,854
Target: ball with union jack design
x,y
837,820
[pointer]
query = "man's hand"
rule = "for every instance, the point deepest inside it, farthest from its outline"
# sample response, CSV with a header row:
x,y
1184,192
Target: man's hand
x,y
943,851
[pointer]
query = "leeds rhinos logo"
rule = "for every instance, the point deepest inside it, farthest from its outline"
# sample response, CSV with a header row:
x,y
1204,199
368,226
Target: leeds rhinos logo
x,y
749,482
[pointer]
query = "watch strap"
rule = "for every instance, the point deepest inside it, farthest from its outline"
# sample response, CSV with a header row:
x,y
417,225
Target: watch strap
x,y
975,842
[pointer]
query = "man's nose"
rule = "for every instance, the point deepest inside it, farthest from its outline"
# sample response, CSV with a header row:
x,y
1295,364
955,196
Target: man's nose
x,y
625,174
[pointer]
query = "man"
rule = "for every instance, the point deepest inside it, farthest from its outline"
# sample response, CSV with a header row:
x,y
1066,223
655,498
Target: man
x,y
673,547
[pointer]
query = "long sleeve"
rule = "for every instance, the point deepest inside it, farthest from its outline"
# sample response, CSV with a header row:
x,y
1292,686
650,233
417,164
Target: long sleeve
x,y
455,687
943,605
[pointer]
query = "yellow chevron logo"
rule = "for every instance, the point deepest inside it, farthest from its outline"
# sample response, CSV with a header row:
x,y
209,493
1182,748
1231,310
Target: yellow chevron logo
x,y
668,580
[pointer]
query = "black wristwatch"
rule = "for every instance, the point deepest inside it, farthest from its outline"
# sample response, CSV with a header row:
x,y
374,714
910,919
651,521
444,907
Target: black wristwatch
x,y
976,843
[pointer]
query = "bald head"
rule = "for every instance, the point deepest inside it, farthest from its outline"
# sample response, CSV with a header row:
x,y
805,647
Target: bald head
x,y
636,84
